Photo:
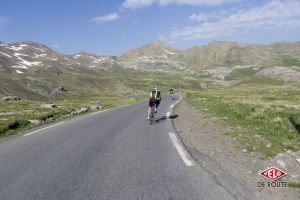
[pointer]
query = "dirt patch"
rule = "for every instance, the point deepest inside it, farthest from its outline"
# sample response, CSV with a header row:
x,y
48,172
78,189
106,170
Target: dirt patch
x,y
208,143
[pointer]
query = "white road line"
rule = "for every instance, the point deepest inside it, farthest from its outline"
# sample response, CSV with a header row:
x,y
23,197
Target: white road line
x,y
168,114
172,106
181,150
43,128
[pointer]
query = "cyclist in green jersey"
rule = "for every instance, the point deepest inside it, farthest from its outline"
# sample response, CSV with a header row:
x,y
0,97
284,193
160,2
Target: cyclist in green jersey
x,y
154,99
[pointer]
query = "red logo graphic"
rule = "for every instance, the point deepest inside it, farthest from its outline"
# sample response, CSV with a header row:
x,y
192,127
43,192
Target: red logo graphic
x,y
272,173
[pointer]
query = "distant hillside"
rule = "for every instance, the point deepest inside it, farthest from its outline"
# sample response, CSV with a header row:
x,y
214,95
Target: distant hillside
x,y
230,54
153,57
23,57
33,70
154,50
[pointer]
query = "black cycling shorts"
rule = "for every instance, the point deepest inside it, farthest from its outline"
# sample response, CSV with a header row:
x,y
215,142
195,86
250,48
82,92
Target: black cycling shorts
x,y
153,101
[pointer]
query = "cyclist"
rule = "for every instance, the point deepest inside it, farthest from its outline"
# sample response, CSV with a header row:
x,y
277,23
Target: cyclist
x,y
154,99
172,93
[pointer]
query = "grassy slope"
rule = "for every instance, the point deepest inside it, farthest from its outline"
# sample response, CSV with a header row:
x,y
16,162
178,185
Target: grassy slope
x,y
258,109
260,113
14,115
109,88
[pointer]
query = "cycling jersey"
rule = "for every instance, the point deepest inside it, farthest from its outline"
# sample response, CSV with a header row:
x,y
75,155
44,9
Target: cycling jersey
x,y
155,94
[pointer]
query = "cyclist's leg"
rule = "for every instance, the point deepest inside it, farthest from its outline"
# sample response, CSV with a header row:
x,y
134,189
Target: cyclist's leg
x,y
149,109
151,103
156,105
149,112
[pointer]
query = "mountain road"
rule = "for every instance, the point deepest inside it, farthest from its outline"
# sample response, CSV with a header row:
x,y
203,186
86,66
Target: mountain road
x,y
111,154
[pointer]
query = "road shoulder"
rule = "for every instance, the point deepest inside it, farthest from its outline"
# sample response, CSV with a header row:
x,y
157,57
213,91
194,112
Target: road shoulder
x,y
221,155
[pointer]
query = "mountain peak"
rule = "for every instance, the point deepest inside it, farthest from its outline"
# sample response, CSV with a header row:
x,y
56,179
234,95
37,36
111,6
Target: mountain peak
x,y
158,44
30,43
217,42
155,49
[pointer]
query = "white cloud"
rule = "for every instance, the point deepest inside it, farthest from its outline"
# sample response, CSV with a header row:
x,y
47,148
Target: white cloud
x,y
275,14
199,17
202,17
134,4
106,18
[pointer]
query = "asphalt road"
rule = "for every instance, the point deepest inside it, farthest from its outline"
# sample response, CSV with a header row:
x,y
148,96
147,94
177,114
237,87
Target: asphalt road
x,y
114,154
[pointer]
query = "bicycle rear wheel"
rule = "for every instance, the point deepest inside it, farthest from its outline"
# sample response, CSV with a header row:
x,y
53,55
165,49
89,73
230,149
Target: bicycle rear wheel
x,y
151,116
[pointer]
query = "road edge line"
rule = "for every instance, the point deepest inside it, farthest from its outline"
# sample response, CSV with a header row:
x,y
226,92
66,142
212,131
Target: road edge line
x,y
43,128
188,154
185,156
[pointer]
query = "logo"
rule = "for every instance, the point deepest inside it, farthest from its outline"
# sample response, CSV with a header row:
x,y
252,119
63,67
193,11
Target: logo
x,y
272,173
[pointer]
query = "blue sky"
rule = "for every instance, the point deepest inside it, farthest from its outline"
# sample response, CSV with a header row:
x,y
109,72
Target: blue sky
x,y
108,27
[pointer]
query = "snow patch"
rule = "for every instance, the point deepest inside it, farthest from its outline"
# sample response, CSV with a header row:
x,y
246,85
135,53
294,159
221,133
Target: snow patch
x,y
19,72
15,48
28,63
23,45
171,53
164,56
19,54
39,55
6,54
244,66
92,66
39,49
25,62
99,60
19,66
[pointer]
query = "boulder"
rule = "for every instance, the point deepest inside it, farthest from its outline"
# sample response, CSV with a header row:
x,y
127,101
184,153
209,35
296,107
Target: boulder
x,y
35,121
48,106
11,98
81,110
96,107
57,91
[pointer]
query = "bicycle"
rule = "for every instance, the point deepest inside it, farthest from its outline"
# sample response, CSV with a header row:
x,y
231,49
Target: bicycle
x,y
172,96
152,112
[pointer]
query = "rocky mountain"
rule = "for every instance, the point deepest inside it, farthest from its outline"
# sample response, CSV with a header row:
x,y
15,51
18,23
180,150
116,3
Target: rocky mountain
x,y
29,69
23,57
155,57
154,50
230,54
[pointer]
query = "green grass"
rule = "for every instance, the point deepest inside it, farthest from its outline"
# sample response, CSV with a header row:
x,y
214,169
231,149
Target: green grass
x,y
15,115
262,117
255,81
112,88
259,109
289,61
238,74
294,185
